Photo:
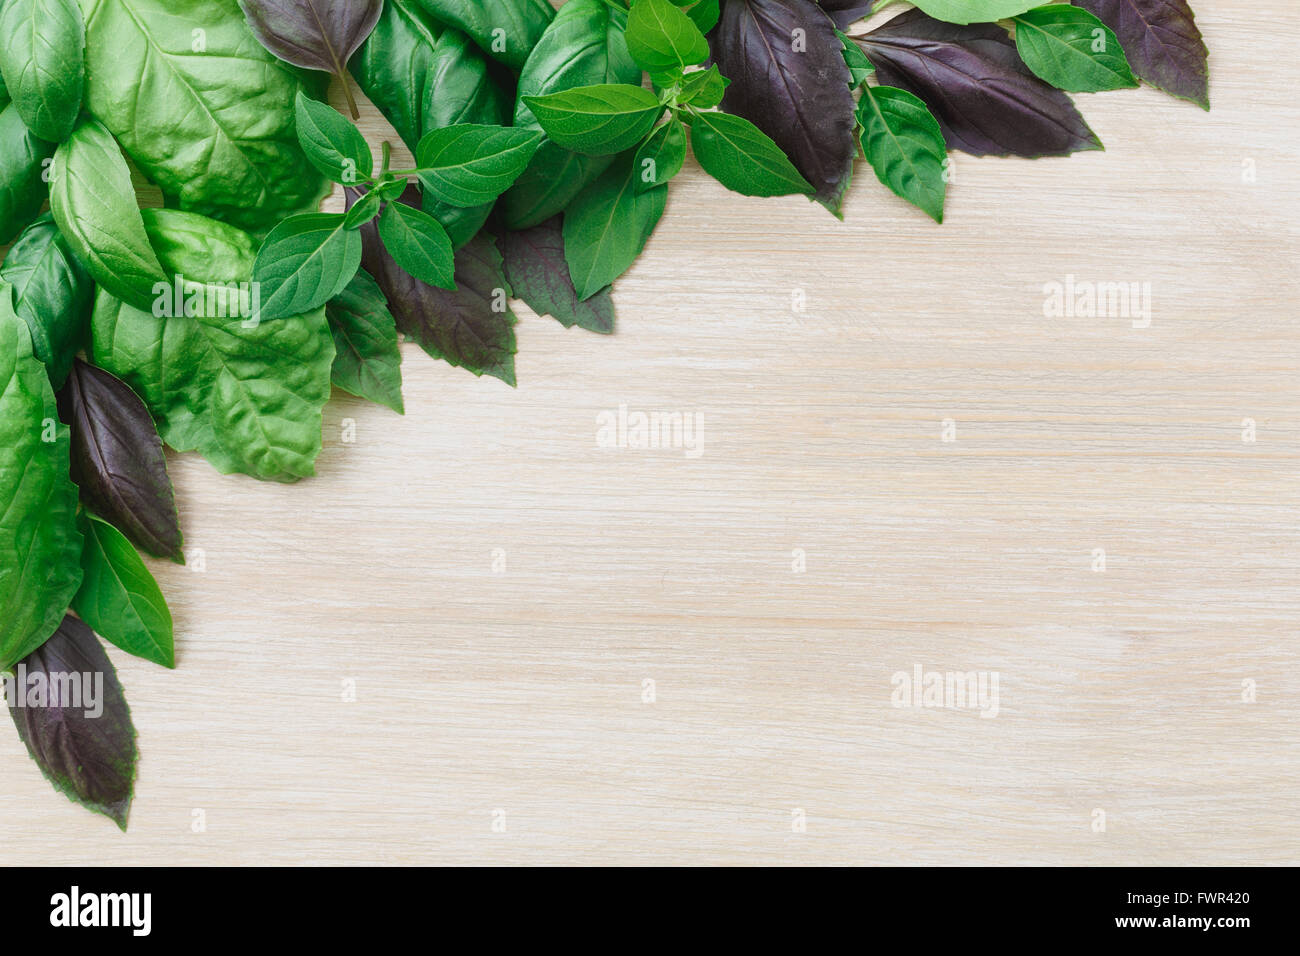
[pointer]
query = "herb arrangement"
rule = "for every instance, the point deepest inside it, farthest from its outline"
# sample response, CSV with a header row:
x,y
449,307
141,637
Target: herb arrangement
x,y
544,145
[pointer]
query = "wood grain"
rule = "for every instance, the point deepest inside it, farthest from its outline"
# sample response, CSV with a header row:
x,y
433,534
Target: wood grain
x,y
520,689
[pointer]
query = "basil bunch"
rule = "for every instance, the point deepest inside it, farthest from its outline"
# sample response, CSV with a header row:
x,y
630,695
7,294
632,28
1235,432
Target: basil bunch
x,y
543,158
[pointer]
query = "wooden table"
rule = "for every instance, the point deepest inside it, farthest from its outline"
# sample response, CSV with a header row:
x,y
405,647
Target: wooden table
x,y
561,652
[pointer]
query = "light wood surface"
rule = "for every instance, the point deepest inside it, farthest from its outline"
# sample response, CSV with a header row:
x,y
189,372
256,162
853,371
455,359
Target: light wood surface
x,y
522,689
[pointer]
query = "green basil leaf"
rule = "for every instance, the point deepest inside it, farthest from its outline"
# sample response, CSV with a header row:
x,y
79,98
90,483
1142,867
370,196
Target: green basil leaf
x,y
703,13
332,144
365,210
607,226
118,461
1073,50
419,244
905,146
461,224
304,262
742,157
87,754
584,45
42,58
367,358
468,165
247,395
538,274
703,89
23,163
661,156
119,598
597,120
662,39
505,29
94,205
53,293
208,116
974,11
39,541
422,76
859,66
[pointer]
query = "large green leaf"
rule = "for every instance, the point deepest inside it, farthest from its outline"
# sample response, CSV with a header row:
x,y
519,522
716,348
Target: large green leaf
x,y
22,159
119,598
904,145
42,56
742,157
607,226
583,46
52,292
93,203
423,76
206,113
247,395
1073,50
974,11
40,546
505,29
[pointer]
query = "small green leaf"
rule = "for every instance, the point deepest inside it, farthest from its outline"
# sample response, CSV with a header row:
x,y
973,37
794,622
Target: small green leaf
x,y
859,66
905,146
419,244
607,226
662,39
367,359
703,89
1072,49
304,262
703,13
332,144
597,120
468,165
365,209
119,598
660,157
742,157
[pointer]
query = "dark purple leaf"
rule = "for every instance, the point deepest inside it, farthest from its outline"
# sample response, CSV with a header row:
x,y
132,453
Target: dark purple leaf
x,y
118,461
1162,42
789,79
471,327
845,12
538,273
986,100
314,34
78,728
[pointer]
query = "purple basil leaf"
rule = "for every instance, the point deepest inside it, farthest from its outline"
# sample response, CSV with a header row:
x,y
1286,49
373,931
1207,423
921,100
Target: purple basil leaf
x,y
78,729
789,79
538,273
118,461
314,34
986,100
845,12
1162,42
471,327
